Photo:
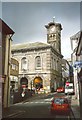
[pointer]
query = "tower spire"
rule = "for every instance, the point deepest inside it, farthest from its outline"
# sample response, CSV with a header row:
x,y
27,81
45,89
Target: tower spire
x,y
54,19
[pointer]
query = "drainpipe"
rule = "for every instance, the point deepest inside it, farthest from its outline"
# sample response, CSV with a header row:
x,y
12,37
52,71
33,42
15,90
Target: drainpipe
x,y
7,72
9,63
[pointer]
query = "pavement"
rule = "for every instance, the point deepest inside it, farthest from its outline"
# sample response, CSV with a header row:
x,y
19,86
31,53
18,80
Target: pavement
x,y
75,108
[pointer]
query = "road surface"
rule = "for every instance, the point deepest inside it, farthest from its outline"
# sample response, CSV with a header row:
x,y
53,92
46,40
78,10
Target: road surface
x,y
36,108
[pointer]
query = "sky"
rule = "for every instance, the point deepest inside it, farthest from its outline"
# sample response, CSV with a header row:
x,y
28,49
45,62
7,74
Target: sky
x,y
28,20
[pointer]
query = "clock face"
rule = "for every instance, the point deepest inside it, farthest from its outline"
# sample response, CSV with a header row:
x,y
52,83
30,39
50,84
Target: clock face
x,y
52,29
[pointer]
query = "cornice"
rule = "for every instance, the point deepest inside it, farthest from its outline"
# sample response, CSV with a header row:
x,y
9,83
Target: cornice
x,y
36,49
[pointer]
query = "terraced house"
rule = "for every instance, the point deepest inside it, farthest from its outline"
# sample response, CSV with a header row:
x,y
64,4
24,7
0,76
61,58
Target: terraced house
x,y
40,63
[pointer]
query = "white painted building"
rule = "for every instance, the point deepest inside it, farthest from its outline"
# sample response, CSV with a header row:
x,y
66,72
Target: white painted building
x,y
79,69
65,71
74,43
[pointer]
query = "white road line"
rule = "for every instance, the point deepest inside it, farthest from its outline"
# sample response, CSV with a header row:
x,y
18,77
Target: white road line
x,y
31,102
17,104
49,99
41,102
16,114
36,102
45,100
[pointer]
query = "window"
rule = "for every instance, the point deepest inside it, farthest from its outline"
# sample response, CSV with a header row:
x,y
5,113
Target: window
x,y
38,62
59,101
13,66
57,65
24,63
54,64
51,62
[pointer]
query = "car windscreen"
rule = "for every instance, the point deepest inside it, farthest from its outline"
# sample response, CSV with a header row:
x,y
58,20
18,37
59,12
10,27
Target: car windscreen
x,y
68,87
60,101
60,88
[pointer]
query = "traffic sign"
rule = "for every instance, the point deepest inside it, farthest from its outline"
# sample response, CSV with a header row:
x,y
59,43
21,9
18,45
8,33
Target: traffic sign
x,y
67,83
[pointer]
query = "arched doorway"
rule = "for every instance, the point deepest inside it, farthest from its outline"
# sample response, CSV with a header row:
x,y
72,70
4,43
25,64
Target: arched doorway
x,y
38,82
24,81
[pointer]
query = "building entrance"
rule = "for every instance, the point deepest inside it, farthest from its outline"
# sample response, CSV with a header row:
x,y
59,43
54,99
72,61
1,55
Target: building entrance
x,y
38,82
24,81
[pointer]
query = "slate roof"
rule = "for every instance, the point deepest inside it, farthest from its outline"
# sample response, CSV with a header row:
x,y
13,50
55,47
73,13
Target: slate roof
x,y
75,36
32,46
4,28
29,45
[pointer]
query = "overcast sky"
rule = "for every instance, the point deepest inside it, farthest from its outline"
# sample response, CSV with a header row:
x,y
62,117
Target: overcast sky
x,y
28,20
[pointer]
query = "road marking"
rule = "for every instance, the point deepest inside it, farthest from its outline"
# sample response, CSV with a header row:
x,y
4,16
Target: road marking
x,y
62,116
37,102
15,114
46,100
17,104
49,99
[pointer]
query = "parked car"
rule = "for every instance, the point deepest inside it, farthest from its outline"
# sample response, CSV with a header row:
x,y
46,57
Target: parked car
x,y
60,106
69,89
60,89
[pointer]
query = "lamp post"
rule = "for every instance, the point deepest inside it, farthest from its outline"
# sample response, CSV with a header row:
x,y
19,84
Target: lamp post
x,y
31,85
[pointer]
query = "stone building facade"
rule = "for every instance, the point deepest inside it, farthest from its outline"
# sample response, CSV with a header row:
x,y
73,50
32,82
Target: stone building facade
x,y
40,63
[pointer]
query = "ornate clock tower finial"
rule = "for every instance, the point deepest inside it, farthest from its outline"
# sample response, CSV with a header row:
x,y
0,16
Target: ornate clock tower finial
x,y
54,19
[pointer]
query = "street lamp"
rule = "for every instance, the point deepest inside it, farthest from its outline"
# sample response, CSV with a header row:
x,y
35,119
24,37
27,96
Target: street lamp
x,y
31,85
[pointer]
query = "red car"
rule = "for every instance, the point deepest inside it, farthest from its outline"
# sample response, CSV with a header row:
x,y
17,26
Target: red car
x,y
60,89
60,106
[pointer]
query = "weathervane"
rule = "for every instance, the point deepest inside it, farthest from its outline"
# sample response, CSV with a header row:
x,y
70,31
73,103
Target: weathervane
x,y
54,19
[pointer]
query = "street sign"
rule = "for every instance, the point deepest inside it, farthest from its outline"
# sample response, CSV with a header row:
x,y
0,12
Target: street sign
x,y
78,64
67,83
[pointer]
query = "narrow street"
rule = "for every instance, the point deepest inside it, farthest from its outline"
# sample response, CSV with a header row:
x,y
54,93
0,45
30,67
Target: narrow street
x,y
40,55
38,107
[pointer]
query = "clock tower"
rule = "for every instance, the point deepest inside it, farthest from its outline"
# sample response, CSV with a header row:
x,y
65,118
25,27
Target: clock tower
x,y
54,35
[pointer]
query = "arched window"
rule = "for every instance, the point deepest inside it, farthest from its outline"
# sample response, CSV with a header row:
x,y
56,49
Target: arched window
x,y
24,63
38,62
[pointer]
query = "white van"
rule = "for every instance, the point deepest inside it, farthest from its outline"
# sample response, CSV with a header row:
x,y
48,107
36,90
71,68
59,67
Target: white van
x,y
69,89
